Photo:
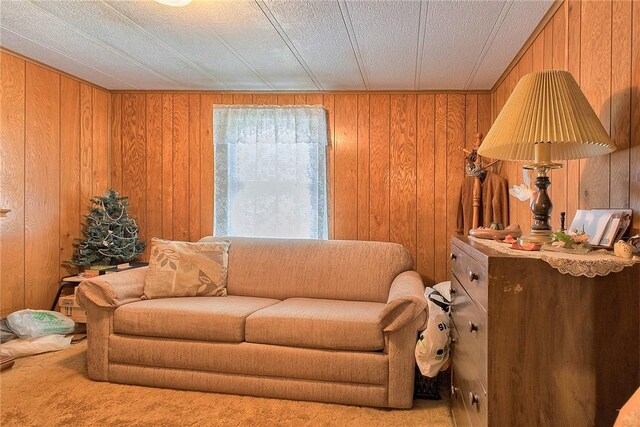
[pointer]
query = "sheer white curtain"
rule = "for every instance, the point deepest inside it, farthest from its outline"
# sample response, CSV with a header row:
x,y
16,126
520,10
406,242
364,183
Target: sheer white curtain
x,y
270,171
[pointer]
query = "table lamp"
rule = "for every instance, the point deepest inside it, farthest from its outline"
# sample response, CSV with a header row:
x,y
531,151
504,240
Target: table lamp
x,y
546,118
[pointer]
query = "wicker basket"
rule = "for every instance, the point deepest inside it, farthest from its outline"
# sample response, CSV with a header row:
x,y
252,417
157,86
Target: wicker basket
x,y
430,388
425,387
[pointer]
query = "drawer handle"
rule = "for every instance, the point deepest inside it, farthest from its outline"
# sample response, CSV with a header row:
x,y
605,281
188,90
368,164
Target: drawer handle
x,y
473,276
454,390
453,256
452,291
454,340
474,399
472,327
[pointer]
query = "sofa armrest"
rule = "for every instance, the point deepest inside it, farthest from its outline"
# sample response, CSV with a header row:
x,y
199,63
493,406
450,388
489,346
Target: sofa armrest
x,y
112,290
405,303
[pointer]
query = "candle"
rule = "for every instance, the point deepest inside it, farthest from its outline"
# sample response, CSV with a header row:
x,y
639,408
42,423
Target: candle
x,y
543,153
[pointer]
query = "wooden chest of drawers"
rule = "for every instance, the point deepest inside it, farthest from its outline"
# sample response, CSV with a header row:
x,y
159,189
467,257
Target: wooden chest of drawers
x,y
536,347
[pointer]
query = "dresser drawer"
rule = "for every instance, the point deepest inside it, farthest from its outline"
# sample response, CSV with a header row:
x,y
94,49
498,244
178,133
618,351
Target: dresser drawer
x,y
458,406
470,274
472,393
471,324
467,389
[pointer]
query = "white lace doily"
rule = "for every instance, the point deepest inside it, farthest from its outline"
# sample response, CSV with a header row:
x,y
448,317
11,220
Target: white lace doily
x,y
597,263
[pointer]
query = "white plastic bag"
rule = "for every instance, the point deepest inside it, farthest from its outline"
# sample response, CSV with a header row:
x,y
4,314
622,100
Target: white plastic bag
x,y
27,346
432,349
37,323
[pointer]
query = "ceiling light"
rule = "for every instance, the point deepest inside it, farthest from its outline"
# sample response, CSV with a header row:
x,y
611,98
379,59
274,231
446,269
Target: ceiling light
x,y
175,3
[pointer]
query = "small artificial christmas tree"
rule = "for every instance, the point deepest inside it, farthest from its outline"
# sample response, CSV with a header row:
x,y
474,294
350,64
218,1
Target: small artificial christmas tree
x,y
111,236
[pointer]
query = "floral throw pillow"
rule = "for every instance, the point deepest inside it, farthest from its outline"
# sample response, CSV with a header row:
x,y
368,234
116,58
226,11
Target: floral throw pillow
x,y
183,269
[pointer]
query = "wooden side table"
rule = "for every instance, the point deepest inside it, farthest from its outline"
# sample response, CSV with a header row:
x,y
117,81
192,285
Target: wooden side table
x,y
66,282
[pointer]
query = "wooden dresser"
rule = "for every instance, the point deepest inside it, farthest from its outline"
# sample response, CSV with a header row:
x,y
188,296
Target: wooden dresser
x,y
533,347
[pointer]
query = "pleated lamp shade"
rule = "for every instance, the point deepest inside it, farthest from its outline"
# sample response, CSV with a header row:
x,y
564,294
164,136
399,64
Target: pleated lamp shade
x,y
546,107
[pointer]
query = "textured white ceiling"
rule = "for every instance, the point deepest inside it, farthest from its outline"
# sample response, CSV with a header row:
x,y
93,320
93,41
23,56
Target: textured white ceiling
x,y
270,45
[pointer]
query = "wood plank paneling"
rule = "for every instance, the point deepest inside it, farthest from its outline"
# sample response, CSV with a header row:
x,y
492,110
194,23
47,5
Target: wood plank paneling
x,y
346,167
100,141
42,184
206,164
518,211
471,120
167,166
265,99
329,104
595,81
314,99
402,172
619,181
286,99
484,113
181,194
154,163
572,55
86,146
227,99
379,107
547,35
456,129
559,176
70,203
440,198
43,173
116,142
12,175
426,188
522,212
242,98
134,170
537,49
194,167
363,167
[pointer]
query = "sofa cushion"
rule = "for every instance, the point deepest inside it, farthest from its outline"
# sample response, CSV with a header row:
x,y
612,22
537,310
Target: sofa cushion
x,y
297,268
318,323
183,269
192,318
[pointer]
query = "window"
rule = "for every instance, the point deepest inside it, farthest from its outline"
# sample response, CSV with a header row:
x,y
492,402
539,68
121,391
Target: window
x,y
270,171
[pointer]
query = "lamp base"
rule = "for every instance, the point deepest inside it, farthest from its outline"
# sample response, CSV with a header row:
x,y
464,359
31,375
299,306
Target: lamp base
x,y
541,206
536,236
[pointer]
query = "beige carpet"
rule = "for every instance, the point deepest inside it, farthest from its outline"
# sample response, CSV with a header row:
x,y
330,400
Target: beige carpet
x,y
53,389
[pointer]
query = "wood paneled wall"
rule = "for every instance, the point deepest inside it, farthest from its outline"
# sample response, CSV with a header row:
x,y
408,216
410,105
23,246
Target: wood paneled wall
x,y
54,151
395,163
599,43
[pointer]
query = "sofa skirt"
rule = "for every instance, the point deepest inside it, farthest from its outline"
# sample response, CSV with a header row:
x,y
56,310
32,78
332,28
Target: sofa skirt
x,y
281,388
347,377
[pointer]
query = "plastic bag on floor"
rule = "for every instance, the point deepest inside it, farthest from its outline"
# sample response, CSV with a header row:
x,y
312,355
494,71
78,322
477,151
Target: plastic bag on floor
x,y
432,349
6,334
37,323
27,346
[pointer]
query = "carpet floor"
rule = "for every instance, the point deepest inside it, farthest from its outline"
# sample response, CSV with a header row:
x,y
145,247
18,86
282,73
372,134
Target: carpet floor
x,y
53,389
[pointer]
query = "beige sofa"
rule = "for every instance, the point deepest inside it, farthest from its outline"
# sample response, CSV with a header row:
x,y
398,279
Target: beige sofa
x,y
328,321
